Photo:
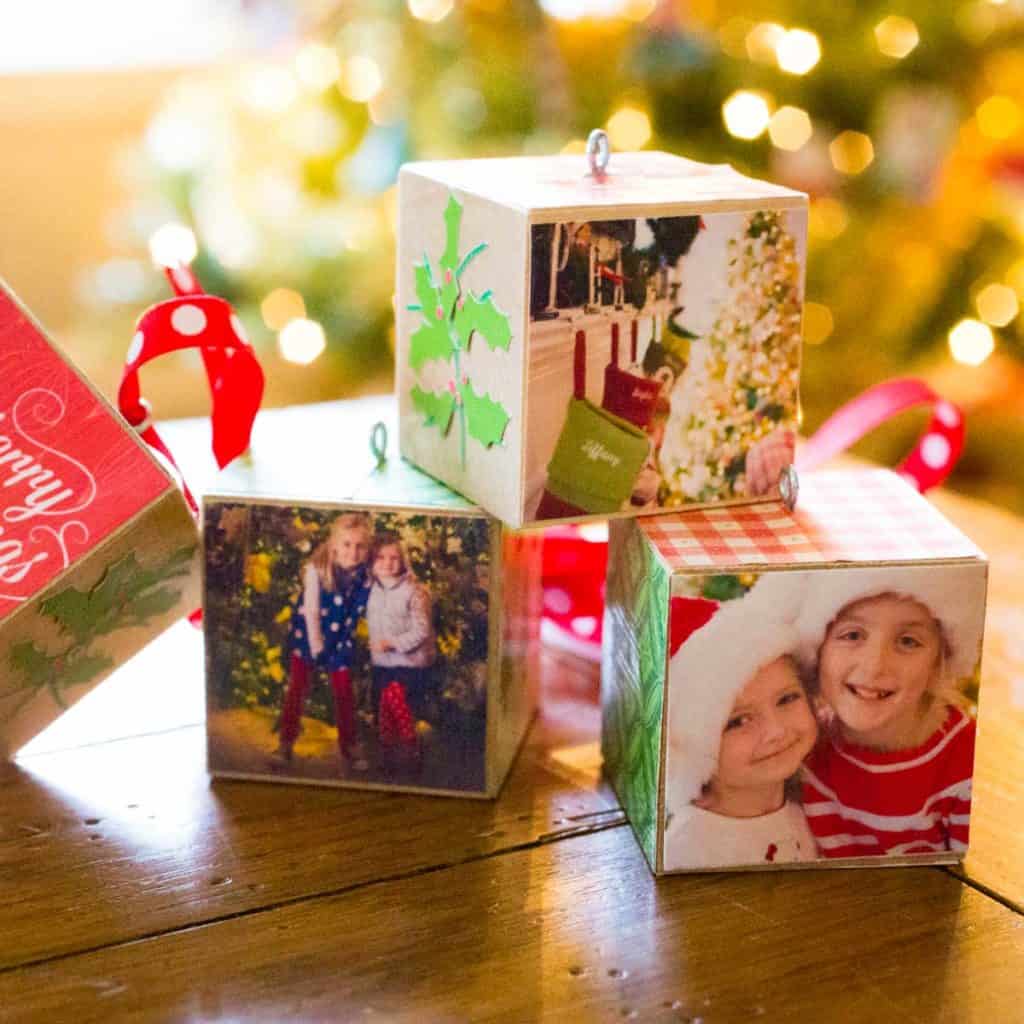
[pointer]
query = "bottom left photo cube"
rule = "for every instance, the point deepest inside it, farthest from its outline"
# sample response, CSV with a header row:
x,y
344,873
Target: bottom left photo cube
x,y
369,644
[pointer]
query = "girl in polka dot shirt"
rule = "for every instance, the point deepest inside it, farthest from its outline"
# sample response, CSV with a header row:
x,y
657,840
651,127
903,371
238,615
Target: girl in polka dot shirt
x,y
325,614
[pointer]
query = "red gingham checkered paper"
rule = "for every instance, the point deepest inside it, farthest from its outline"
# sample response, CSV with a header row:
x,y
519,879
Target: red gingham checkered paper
x,y
841,516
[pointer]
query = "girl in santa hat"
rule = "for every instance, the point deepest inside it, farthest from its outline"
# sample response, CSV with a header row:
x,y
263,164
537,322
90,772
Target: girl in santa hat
x,y
739,726
888,649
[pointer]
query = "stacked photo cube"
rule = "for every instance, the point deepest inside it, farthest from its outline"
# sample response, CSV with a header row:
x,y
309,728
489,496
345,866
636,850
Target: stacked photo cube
x,y
780,686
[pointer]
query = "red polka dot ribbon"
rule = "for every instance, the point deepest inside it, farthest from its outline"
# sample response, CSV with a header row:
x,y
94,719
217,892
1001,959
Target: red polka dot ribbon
x,y
937,449
193,319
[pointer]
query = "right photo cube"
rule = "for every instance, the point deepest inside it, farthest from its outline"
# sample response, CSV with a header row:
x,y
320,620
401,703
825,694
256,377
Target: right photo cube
x,y
800,688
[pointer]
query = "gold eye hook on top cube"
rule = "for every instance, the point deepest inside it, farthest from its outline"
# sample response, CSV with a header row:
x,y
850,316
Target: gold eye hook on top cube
x,y
599,152
789,486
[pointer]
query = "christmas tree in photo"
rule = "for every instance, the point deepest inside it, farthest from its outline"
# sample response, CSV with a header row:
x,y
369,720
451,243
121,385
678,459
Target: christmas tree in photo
x,y
740,386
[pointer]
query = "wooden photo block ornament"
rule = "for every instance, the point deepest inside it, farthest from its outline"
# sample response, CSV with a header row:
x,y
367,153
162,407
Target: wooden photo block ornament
x,y
97,546
572,345
794,689
365,626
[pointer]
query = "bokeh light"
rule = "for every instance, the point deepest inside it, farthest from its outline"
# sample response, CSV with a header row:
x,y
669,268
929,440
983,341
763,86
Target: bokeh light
x,y
362,79
851,152
971,342
282,306
763,40
999,117
997,304
798,51
431,10
790,128
896,36
317,66
818,323
629,128
172,245
746,114
301,341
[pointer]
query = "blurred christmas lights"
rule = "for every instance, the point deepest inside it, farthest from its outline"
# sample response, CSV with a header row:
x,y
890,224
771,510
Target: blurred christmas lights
x,y
268,89
629,128
971,342
763,40
280,307
999,117
851,152
818,323
362,79
790,128
430,10
317,66
896,36
746,114
172,245
301,341
827,219
997,304
798,51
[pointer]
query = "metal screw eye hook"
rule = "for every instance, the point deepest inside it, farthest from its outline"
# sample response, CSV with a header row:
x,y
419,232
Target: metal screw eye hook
x,y
599,152
379,443
789,486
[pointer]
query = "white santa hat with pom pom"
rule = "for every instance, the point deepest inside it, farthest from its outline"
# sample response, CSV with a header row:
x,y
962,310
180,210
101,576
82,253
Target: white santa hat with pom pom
x,y
710,670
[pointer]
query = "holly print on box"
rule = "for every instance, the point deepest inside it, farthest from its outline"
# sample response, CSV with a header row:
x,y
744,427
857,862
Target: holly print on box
x,y
97,547
641,333
807,692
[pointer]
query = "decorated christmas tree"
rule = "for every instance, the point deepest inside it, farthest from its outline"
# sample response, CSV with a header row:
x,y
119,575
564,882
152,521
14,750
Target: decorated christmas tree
x,y
741,383
905,126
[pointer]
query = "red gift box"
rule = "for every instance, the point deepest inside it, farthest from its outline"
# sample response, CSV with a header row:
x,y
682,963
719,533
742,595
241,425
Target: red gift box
x,y
97,547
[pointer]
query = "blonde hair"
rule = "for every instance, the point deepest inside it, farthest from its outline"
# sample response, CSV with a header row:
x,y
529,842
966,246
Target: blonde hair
x,y
943,690
321,558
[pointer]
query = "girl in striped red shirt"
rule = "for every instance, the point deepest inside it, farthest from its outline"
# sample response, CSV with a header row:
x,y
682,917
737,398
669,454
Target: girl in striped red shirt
x,y
891,773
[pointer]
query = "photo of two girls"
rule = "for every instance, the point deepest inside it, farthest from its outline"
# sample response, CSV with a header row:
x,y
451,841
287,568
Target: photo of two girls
x,y
352,645
824,715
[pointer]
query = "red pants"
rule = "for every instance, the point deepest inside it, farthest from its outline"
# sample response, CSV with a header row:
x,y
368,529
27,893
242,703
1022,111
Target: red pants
x,y
295,696
395,722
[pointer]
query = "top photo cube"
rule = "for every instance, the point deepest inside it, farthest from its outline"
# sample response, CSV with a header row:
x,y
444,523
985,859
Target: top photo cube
x,y
573,347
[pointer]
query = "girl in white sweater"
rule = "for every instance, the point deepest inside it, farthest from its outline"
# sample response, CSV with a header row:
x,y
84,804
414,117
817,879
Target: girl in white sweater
x,y
402,641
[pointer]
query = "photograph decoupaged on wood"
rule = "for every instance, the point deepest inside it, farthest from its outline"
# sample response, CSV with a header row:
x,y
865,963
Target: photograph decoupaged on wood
x,y
347,646
822,714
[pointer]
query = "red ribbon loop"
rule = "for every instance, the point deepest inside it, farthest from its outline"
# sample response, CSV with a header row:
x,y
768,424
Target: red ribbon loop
x,y
196,320
932,458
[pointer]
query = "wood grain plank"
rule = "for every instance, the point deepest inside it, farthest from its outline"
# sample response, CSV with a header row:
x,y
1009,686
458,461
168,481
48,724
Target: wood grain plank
x,y
576,929
995,859
130,838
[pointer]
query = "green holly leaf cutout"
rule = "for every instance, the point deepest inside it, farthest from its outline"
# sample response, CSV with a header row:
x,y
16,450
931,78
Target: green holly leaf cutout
x,y
450,319
483,317
452,224
486,419
436,406
430,341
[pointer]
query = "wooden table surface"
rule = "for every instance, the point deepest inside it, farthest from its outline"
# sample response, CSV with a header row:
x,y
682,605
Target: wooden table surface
x,y
134,889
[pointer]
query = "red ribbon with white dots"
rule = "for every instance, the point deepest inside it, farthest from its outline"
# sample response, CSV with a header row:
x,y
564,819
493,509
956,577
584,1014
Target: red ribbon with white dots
x,y
193,319
932,458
